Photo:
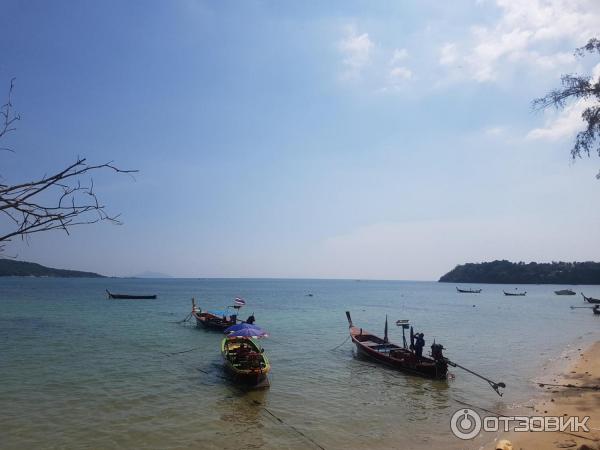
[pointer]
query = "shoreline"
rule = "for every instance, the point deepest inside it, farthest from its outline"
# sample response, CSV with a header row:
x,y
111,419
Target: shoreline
x,y
561,394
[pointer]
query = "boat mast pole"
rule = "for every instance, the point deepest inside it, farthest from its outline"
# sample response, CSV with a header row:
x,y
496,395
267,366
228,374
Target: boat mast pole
x,y
385,332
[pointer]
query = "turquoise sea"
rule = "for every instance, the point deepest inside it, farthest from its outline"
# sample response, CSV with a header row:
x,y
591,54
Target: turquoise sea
x,y
79,371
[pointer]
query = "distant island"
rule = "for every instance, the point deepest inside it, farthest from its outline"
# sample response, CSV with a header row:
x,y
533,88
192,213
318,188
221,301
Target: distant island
x,y
506,272
12,268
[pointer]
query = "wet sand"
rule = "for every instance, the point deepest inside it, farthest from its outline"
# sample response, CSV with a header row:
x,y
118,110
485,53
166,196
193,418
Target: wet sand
x,y
578,399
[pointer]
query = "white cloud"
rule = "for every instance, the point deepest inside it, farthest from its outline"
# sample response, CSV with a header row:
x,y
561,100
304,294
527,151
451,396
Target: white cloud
x,y
565,124
356,49
527,32
448,54
399,55
400,73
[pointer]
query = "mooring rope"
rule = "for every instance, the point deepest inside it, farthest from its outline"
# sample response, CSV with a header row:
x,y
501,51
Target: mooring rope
x,y
280,420
338,346
183,351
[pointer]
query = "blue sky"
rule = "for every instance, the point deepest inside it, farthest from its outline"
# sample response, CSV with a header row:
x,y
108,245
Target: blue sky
x,y
350,139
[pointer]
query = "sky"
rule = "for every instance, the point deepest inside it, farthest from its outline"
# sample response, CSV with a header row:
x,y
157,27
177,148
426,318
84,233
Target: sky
x,y
342,139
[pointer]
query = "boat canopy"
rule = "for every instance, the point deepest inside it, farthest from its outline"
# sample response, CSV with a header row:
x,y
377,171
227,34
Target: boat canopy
x,y
219,313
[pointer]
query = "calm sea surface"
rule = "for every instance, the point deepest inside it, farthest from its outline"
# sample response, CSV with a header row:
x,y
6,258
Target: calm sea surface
x,y
80,371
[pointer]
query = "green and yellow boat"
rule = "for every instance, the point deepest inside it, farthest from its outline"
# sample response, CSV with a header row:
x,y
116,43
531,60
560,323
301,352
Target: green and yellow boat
x,y
245,360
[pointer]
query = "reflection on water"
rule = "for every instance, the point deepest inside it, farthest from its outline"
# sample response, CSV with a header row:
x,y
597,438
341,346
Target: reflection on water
x,y
79,370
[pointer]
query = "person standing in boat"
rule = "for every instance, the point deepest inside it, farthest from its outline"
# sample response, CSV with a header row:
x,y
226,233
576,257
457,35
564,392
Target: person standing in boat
x,y
419,344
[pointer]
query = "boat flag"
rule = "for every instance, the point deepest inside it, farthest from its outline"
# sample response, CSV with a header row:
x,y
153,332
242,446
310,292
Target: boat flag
x,y
239,301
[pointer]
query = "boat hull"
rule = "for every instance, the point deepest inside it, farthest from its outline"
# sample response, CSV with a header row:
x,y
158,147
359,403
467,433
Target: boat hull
x,y
130,297
212,322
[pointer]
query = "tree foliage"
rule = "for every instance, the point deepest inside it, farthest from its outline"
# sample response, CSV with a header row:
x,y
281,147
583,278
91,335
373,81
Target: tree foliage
x,y
506,272
59,201
579,87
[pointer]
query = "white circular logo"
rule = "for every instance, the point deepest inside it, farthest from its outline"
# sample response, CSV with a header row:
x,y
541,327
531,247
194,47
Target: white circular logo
x,y
465,424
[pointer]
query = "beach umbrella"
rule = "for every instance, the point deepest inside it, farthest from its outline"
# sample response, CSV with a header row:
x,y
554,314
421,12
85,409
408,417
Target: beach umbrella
x,y
249,332
240,326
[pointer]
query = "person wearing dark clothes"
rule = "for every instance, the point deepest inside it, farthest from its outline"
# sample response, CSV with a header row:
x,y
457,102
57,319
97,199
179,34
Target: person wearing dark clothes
x,y
419,344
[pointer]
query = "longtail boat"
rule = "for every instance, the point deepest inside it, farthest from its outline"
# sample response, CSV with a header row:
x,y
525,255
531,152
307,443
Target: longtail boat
x,y
403,358
565,292
590,299
215,320
245,360
468,291
396,356
129,297
515,294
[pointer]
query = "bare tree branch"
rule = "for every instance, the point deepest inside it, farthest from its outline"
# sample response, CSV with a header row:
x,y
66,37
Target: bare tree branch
x,y
57,202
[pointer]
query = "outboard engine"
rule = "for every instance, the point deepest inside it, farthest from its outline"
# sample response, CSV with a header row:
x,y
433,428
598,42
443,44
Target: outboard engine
x,y
436,351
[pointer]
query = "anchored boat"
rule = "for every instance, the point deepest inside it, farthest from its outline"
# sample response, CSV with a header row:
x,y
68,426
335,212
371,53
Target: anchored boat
x,y
396,356
245,360
215,320
129,297
405,359
469,291
515,294
565,292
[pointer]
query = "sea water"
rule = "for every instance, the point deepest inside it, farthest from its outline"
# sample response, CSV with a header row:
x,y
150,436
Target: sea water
x,y
80,371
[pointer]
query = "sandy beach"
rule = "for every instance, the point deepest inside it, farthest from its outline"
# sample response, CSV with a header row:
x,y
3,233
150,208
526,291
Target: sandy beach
x,y
573,393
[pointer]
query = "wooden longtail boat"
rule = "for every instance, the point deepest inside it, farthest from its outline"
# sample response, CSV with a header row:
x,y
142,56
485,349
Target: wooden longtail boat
x,y
565,292
215,320
400,358
469,291
245,360
590,299
515,294
130,297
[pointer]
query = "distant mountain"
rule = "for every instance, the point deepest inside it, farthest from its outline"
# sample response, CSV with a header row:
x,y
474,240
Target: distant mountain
x,y
12,268
149,274
506,272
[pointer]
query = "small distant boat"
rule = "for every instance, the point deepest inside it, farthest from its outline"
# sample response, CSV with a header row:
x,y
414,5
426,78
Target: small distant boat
x,y
400,358
245,360
590,299
130,297
469,291
515,294
565,292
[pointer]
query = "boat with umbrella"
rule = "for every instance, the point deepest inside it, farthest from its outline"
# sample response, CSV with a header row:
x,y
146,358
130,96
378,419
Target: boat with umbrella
x,y
243,357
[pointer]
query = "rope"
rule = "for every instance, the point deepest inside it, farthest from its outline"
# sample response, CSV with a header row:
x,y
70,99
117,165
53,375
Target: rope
x,y
338,346
280,420
183,351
